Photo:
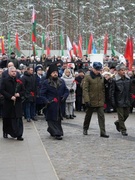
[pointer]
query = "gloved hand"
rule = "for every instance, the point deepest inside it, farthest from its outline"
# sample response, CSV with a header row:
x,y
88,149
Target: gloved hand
x,y
87,104
63,99
48,103
71,90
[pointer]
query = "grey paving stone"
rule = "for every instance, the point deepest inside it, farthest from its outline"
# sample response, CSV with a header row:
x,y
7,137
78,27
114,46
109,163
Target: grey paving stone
x,y
79,157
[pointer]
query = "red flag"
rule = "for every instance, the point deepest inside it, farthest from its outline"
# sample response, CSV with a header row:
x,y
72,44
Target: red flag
x,y
75,48
105,43
17,42
90,44
129,51
2,46
80,47
48,45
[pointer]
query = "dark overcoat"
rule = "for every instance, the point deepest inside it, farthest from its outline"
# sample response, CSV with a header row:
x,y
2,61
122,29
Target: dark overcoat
x,y
39,99
29,82
8,88
48,92
120,91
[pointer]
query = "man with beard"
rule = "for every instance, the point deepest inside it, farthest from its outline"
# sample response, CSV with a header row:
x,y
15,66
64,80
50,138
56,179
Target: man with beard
x,y
54,92
12,90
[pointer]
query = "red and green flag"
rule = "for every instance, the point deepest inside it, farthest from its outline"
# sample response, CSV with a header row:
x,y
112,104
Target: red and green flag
x,y
33,20
105,43
129,51
75,49
17,45
48,42
2,46
80,47
89,51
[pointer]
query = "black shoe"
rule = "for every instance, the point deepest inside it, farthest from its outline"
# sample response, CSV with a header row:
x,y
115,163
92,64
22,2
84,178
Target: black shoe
x,y
85,132
117,125
104,135
58,137
74,115
124,134
67,117
20,138
34,119
71,117
5,135
28,120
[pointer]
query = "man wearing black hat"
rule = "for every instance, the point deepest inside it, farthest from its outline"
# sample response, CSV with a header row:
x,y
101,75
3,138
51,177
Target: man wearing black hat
x,y
54,92
94,96
121,97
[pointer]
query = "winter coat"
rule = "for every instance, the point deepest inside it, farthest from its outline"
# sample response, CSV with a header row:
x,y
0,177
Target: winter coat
x,y
94,90
133,91
120,90
107,89
39,99
78,80
29,82
49,91
8,88
71,85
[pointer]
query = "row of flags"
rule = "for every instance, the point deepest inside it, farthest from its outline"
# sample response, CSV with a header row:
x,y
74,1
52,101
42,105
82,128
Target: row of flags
x,y
72,48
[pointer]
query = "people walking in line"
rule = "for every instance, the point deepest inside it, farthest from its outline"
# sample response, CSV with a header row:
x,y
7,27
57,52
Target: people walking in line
x,y
54,92
120,90
94,96
12,90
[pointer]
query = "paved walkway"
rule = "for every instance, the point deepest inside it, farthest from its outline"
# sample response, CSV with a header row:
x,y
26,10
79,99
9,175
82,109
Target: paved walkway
x,y
79,157
25,160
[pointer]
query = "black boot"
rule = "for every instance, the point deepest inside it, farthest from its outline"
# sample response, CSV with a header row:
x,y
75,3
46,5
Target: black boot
x,y
117,125
5,135
20,138
71,117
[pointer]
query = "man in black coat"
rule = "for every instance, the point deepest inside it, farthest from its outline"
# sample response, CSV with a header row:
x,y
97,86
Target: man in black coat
x,y
29,82
12,90
120,91
54,92
78,80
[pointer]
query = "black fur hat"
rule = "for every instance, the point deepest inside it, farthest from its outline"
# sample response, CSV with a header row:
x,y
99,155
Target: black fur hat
x,y
52,68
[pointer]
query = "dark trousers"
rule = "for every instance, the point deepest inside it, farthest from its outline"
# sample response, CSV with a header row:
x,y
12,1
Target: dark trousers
x,y
123,113
101,118
78,103
29,112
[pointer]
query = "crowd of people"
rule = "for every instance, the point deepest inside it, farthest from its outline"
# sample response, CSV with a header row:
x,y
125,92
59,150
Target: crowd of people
x,y
56,87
